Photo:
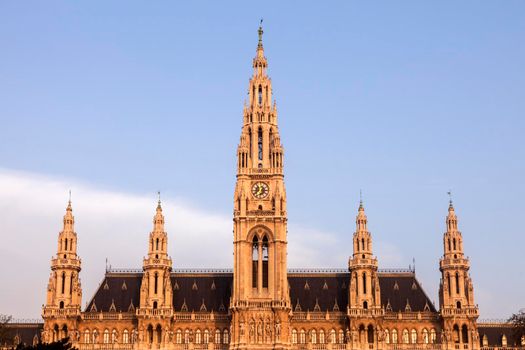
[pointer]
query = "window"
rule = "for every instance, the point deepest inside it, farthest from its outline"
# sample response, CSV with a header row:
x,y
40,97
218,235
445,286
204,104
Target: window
x,y
106,336
455,334
63,281
302,337
425,336
156,281
364,283
333,338
217,336
260,143
86,336
206,336
125,336
265,262
394,336
413,336
405,336
458,305
387,336
186,336
365,305
61,305
321,336
504,340
114,336
314,336
433,336
457,283
341,336
225,337
198,337
255,261
260,94
464,334
155,305
178,337
294,336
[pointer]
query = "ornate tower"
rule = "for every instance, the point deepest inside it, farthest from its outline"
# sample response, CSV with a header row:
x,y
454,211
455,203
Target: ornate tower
x,y
260,301
364,299
456,291
156,294
64,292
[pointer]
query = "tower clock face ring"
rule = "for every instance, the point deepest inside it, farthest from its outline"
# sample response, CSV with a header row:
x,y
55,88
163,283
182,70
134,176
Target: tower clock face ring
x,y
260,190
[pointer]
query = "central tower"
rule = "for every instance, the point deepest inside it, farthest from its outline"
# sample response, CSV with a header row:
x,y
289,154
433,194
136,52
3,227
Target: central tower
x,y
260,302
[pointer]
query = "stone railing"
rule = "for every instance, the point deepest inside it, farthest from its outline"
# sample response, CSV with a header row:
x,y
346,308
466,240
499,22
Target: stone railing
x,y
365,313
107,316
65,262
412,316
469,311
52,311
413,347
166,312
318,316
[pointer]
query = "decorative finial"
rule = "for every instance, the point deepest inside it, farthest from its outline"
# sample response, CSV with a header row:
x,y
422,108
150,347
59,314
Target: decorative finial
x,y
360,199
260,33
69,201
449,198
158,203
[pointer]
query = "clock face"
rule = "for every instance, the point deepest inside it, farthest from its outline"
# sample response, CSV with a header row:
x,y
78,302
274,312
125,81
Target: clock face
x,y
260,190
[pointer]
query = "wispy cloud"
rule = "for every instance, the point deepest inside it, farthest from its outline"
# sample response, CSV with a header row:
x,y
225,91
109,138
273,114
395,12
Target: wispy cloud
x,y
116,225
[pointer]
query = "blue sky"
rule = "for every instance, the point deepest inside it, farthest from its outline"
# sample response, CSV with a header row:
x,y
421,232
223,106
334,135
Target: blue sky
x,y
404,100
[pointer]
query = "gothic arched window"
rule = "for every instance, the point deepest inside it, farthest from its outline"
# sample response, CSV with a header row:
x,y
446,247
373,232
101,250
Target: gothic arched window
x,y
198,338
464,334
333,337
156,282
425,336
387,336
294,336
406,339
433,336
394,336
260,95
63,282
86,336
321,336
260,143
265,262
106,336
457,283
206,336
413,336
302,337
364,282
114,336
341,336
125,336
178,336
225,337
314,336
217,336
255,261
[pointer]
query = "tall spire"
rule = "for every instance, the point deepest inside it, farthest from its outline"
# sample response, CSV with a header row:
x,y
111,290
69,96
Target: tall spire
x,y
259,62
69,219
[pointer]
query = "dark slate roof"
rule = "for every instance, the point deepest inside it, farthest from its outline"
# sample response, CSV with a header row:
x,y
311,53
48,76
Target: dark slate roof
x,y
314,290
327,291
25,331
495,332
193,290
400,288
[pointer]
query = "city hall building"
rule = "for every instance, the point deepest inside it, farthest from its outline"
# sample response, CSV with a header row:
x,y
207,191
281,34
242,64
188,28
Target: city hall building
x,y
261,303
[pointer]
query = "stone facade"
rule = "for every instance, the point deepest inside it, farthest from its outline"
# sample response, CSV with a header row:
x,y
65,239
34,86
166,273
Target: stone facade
x,y
261,304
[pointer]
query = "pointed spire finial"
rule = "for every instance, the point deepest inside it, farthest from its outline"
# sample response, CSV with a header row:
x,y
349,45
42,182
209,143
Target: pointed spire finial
x,y
260,33
69,201
450,203
158,203
361,200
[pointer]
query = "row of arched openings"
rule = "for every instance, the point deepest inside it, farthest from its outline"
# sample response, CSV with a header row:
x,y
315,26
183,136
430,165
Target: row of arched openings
x,y
317,336
202,336
108,337
410,337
